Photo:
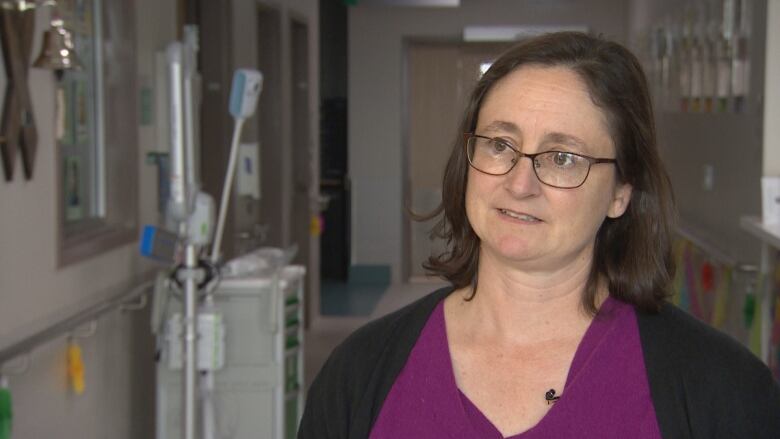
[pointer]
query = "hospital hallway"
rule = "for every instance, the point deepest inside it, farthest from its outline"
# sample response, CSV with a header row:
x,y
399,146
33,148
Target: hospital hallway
x,y
201,199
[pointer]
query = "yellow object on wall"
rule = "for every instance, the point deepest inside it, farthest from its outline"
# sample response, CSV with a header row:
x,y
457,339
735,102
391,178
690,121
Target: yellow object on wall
x,y
75,368
316,225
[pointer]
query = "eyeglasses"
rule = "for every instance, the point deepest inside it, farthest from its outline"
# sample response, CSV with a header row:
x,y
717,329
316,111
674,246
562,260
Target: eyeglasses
x,y
559,169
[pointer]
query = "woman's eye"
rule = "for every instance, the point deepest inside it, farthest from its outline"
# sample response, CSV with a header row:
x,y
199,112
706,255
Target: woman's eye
x,y
499,146
563,159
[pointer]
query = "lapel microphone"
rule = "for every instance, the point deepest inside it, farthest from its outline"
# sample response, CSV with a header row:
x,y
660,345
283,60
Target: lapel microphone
x,y
550,397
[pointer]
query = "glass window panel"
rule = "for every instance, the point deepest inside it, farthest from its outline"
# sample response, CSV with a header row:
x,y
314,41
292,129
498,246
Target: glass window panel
x,y
80,139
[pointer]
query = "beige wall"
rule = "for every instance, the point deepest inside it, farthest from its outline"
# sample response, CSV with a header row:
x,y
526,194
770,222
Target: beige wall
x,y
376,68
733,144
118,402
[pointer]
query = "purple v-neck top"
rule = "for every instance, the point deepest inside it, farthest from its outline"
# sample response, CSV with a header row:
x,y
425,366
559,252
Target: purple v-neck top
x,y
606,393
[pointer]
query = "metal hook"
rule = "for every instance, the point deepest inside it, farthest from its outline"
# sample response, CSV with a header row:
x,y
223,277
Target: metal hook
x,y
19,369
143,300
89,332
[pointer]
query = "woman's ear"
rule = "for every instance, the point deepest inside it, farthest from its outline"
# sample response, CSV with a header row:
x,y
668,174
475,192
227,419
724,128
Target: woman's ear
x,y
620,200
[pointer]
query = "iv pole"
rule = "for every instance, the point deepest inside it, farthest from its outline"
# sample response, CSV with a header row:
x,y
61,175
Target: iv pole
x,y
184,191
180,208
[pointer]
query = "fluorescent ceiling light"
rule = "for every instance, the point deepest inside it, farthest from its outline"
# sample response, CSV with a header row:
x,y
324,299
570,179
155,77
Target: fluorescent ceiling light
x,y
421,3
512,33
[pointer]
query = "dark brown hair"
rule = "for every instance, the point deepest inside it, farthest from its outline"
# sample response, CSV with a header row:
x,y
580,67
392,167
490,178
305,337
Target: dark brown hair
x,y
633,252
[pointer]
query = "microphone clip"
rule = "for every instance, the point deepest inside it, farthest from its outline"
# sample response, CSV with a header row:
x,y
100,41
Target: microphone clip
x,y
550,397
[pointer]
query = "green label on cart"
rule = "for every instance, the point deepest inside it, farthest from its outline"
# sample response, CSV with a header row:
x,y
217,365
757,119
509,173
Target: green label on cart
x,y
6,415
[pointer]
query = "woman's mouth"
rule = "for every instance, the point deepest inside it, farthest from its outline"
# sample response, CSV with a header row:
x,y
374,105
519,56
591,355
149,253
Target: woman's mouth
x,y
520,216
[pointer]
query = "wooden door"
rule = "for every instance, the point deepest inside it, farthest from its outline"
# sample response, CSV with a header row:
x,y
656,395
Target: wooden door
x,y
440,79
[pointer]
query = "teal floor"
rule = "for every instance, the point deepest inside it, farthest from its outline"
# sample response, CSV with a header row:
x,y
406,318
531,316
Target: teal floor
x,y
349,299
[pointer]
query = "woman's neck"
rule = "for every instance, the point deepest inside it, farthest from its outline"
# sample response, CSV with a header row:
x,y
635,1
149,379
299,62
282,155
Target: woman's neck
x,y
520,307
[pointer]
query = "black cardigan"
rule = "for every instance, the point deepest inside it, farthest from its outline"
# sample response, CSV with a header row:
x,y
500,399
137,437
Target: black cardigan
x,y
703,383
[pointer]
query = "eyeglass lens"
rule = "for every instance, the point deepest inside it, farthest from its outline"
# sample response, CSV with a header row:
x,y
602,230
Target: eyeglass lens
x,y
554,168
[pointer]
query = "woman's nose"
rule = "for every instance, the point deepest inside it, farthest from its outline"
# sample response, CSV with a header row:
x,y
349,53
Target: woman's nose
x,y
521,181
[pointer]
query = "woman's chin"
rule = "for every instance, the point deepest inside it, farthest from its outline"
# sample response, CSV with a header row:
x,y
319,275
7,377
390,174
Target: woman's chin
x,y
515,251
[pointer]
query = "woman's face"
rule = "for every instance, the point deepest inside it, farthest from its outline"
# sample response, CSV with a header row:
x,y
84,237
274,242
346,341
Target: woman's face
x,y
519,219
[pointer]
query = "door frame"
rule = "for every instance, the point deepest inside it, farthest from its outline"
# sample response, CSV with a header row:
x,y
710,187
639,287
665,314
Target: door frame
x,y
406,44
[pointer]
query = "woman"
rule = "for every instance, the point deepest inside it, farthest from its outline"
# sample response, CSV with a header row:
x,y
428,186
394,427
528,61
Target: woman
x,y
558,214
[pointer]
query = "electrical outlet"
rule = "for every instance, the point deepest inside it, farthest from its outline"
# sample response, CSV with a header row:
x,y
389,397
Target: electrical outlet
x,y
709,177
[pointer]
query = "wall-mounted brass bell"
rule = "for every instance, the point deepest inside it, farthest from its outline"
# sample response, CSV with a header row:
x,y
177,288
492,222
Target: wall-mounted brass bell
x,y
57,49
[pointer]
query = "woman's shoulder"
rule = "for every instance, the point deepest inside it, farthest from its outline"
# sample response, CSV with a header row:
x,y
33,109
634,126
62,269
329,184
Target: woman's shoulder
x,y
679,336
348,392
398,329
704,381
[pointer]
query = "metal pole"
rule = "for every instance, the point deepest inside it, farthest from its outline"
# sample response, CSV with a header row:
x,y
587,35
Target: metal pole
x,y
767,261
227,186
190,339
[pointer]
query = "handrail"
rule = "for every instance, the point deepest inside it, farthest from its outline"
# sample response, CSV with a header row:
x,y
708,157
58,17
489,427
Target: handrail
x,y
70,323
714,252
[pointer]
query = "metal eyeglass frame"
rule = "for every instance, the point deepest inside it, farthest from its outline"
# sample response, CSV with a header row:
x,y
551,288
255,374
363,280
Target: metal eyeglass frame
x,y
591,160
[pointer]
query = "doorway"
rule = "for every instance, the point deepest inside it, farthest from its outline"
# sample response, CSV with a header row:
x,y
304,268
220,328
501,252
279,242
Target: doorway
x,y
305,229
440,77
334,172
